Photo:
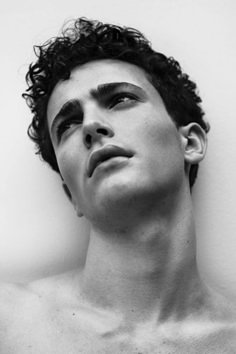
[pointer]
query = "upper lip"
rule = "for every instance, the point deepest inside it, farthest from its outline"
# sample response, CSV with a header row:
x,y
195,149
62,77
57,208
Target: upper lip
x,y
103,154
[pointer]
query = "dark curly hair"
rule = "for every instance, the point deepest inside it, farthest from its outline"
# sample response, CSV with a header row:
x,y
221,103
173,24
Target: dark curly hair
x,y
85,40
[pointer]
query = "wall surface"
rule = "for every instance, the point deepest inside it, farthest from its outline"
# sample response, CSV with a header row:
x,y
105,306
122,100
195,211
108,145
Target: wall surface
x,y
39,232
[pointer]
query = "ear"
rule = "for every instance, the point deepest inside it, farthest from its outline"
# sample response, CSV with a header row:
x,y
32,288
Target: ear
x,y
69,196
194,142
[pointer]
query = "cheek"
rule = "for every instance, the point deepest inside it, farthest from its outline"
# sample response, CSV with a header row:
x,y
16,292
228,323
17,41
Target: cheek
x,y
161,133
70,163
65,164
163,146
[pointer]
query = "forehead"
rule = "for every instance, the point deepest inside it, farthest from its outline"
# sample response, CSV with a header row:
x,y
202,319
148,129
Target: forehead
x,y
88,76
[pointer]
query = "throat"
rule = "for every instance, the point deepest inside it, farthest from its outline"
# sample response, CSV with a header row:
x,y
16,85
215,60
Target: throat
x,y
140,279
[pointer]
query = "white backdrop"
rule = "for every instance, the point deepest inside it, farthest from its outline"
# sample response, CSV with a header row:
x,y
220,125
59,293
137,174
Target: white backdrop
x,y
39,233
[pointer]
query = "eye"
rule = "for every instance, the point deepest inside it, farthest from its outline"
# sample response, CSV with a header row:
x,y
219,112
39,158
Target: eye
x,y
67,125
122,99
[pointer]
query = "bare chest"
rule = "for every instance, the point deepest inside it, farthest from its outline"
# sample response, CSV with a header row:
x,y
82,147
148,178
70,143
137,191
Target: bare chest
x,y
32,333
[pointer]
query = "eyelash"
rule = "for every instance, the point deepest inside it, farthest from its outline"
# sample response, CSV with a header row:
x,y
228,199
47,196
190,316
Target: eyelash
x,y
114,99
112,102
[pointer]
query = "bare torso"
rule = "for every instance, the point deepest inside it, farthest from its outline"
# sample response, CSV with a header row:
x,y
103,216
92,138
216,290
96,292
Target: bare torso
x,y
33,323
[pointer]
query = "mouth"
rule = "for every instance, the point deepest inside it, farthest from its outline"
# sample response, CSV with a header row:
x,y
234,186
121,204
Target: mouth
x,y
104,154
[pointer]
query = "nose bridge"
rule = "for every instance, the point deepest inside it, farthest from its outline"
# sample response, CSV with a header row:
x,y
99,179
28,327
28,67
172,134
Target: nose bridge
x,y
95,125
92,116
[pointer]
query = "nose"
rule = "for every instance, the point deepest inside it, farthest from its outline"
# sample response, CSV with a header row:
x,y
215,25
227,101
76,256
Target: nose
x,y
94,130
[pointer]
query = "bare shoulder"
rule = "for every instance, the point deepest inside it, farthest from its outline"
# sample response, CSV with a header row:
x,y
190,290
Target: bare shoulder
x,y
222,341
210,338
10,293
10,302
12,297
189,338
27,316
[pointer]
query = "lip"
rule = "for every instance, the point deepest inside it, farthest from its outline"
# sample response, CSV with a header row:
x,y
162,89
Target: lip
x,y
103,154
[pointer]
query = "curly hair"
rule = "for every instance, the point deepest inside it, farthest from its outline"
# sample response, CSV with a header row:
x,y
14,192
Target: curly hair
x,y
87,40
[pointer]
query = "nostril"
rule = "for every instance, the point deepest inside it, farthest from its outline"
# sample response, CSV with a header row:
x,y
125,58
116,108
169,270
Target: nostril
x,y
102,131
92,134
88,139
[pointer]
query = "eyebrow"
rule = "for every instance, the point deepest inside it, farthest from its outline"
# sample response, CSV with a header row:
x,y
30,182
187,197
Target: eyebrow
x,y
105,89
100,93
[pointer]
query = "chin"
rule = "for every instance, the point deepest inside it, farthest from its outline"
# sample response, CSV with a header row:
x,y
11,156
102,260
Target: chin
x,y
120,201
125,196
116,191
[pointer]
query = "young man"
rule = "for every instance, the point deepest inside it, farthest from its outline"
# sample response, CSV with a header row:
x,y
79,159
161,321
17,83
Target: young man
x,y
124,128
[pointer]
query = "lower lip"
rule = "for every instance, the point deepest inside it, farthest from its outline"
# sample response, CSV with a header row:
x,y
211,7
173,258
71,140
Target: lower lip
x,y
113,162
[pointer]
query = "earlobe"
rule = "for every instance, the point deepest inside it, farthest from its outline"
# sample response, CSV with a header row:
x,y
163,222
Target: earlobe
x,y
194,141
79,213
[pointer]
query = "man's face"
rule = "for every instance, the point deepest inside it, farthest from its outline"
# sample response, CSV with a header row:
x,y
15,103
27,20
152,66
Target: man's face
x,y
90,122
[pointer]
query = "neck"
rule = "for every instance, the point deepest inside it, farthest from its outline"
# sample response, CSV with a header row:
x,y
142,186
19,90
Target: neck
x,y
146,269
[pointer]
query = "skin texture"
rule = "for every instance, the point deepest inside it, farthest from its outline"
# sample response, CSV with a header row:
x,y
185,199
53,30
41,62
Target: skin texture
x,y
140,290
141,125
